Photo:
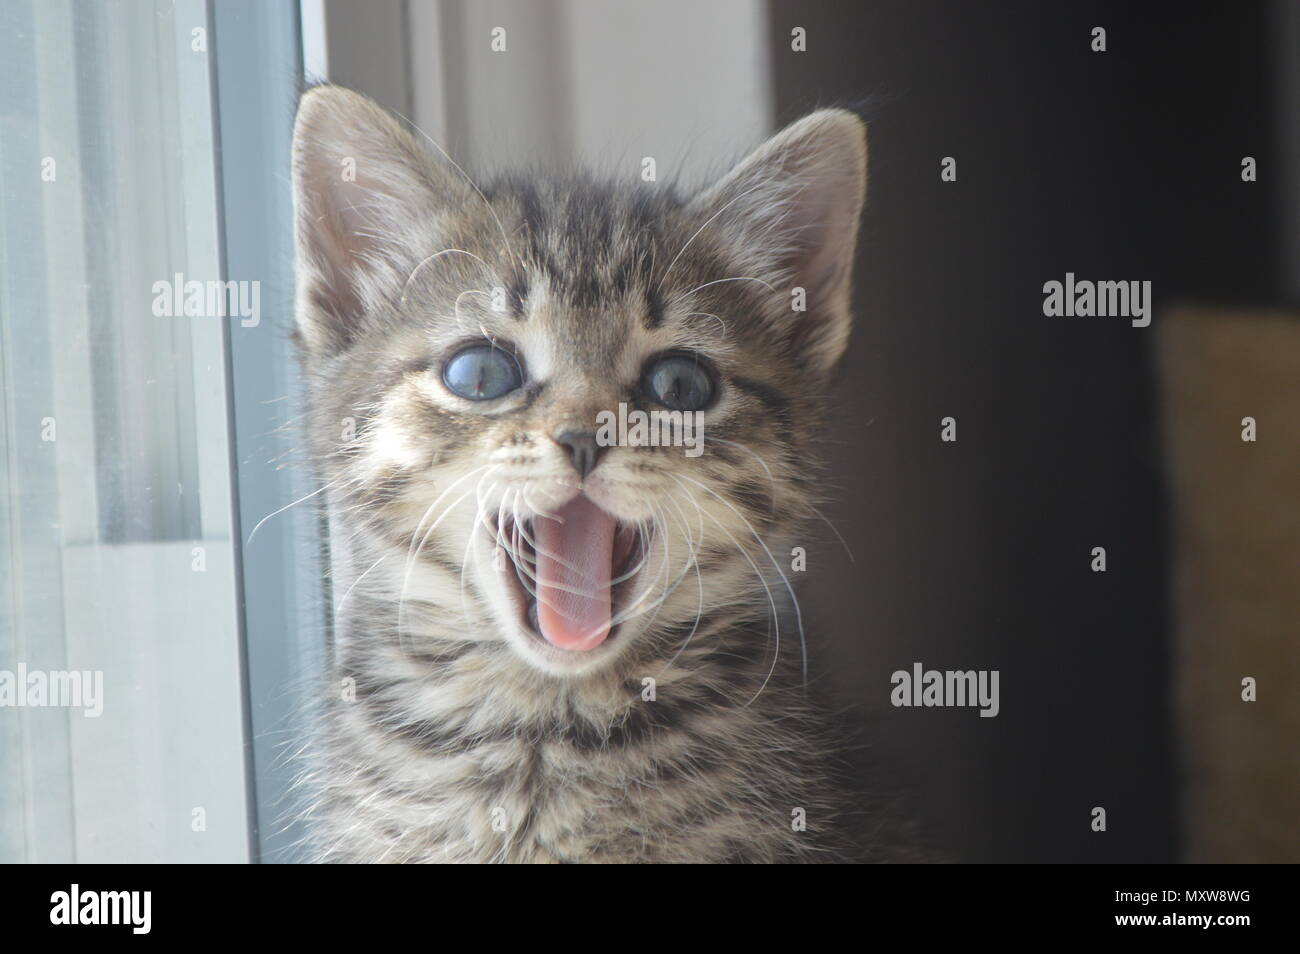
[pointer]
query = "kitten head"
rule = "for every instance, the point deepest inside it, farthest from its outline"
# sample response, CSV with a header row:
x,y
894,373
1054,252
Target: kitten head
x,y
473,353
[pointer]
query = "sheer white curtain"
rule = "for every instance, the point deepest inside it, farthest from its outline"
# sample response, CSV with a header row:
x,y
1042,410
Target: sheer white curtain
x,y
115,490
582,81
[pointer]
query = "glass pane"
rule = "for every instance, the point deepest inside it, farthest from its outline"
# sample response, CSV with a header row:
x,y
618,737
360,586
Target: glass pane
x,y
116,558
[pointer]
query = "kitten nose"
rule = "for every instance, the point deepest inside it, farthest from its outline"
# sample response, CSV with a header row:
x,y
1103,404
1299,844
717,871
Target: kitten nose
x,y
583,450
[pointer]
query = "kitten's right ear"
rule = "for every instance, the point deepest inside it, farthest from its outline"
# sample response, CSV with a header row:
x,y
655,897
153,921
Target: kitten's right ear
x,y
367,197
790,211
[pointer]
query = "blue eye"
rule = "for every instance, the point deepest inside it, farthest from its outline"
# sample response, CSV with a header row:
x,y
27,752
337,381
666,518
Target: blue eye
x,y
482,373
680,382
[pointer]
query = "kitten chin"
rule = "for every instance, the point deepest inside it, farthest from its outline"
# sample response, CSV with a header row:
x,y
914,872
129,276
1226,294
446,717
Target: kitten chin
x,y
563,650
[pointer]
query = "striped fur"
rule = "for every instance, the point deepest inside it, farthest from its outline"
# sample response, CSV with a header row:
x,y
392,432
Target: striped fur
x,y
446,733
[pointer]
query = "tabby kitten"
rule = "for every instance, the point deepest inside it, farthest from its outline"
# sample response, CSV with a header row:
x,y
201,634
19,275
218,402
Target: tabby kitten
x,y
548,649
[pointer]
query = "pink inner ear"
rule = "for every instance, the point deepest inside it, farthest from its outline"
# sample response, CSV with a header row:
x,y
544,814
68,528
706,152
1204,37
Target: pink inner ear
x,y
821,265
328,235
822,224
355,234
792,208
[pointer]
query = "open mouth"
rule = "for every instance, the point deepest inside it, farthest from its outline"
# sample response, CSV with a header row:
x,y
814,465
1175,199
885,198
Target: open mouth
x,y
572,572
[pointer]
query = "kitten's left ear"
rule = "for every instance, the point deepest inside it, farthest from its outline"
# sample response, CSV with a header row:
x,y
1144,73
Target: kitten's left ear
x,y
369,201
790,210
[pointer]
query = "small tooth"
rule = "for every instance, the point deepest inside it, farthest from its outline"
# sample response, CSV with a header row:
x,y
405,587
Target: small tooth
x,y
532,616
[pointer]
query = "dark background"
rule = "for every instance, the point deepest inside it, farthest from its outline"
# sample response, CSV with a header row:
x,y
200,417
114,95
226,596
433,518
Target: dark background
x,y
1123,165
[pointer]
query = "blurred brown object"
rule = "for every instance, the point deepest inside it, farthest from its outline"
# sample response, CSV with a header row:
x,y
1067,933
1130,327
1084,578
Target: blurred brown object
x,y
1236,555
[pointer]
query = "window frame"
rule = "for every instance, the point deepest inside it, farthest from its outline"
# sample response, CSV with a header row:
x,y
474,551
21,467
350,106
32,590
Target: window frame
x,y
283,590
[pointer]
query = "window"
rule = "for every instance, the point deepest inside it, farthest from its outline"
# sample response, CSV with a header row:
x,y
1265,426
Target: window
x,y
140,441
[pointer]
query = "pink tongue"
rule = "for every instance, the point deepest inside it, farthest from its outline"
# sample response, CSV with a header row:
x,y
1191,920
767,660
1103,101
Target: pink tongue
x,y
575,554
